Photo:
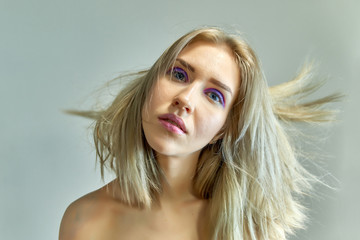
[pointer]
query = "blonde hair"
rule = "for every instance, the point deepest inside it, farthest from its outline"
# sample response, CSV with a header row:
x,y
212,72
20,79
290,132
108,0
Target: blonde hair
x,y
251,176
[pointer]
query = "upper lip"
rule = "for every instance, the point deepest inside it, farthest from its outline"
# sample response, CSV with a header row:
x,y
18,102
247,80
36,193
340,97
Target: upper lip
x,y
174,119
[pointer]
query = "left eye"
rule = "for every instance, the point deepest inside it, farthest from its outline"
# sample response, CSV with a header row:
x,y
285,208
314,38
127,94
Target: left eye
x,y
215,96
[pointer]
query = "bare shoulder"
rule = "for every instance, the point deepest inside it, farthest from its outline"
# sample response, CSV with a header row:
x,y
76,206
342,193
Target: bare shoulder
x,y
84,218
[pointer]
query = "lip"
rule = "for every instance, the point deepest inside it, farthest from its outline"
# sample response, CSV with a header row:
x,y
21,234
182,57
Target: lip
x,y
173,123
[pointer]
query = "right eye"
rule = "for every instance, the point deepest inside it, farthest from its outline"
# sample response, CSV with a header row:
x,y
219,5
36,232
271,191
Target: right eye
x,y
179,74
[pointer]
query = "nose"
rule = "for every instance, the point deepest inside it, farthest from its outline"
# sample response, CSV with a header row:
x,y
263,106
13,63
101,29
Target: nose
x,y
185,99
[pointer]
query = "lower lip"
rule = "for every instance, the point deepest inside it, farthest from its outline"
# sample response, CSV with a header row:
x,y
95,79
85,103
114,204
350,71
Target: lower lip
x,y
171,127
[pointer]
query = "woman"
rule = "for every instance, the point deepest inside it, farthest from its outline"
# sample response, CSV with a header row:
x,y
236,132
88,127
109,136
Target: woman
x,y
199,149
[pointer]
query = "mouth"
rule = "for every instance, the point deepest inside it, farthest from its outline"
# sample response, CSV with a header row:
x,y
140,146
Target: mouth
x,y
173,123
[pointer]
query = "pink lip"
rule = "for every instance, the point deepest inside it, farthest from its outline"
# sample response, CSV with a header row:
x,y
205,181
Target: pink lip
x,y
173,123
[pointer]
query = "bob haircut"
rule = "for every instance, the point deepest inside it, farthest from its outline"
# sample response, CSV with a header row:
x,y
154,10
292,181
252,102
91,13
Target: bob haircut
x,y
251,175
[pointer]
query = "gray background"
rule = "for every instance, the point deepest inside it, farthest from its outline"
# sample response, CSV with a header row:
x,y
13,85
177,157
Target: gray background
x,y
54,54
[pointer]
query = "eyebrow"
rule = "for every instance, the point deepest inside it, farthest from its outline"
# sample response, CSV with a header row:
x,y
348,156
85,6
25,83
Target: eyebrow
x,y
185,64
214,81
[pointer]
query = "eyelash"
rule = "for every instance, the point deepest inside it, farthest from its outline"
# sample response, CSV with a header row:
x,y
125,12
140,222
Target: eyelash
x,y
220,99
174,72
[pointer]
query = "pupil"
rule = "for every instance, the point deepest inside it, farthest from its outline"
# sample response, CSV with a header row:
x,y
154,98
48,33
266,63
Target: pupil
x,y
179,75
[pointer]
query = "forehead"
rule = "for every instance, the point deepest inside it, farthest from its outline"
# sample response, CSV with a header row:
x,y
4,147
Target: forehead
x,y
209,48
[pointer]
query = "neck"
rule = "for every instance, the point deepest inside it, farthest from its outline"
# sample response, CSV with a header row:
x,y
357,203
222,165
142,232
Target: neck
x,y
178,173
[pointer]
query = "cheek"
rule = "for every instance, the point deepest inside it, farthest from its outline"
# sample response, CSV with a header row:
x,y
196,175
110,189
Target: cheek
x,y
157,100
159,93
208,127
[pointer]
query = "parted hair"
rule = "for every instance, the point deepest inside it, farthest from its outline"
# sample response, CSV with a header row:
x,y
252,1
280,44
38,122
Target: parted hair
x,y
251,176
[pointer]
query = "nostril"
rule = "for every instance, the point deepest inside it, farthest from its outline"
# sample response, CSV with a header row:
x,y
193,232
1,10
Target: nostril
x,y
181,104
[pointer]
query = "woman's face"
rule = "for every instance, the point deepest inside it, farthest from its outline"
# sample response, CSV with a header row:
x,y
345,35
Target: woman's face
x,y
187,108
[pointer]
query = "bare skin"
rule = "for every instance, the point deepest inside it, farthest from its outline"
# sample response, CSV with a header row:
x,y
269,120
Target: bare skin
x,y
196,97
179,214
